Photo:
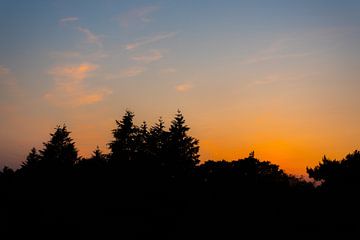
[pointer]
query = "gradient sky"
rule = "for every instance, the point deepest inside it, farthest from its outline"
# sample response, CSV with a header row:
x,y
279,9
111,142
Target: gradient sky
x,y
277,77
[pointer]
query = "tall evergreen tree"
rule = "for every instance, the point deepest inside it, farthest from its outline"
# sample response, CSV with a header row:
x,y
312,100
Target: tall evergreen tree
x,y
124,145
60,151
157,140
183,149
142,141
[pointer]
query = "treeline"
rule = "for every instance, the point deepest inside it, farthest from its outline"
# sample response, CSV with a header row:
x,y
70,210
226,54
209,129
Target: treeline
x,y
151,184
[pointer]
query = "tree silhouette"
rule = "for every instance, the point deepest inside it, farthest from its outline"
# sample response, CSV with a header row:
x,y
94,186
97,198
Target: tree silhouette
x,y
327,170
7,172
142,142
32,160
59,151
157,140
98,156
183,150
248,172
96,161
124,145
338,174
151,180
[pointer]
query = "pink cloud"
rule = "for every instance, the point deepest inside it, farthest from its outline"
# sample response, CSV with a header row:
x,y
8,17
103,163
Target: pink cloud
x,y
137,15
132,72
91,37
69,87
185,87
65,20
168,70
150,56
4,70
147,40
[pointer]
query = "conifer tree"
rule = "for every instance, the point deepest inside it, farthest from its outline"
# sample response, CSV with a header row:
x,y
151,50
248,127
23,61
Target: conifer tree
x,y
157,140
97,160
124,145
142,141
183,149
60,151
97,155
32,160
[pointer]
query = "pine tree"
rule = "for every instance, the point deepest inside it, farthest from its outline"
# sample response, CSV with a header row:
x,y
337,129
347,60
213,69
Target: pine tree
x,y
183,149
96,160
124,146
142,142
60,151
97,155
32,160
157,140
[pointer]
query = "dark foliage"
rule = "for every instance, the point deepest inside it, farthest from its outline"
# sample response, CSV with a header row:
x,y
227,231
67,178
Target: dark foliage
x,y
152,185
338,174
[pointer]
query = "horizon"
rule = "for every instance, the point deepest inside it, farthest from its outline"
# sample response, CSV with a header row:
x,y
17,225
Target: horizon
x,y
276,78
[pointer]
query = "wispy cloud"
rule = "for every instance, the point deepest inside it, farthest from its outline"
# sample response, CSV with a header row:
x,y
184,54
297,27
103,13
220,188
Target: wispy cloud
x,y
278,50
185,87
129,72
66,20
150,56
267,80
282,77
7,79
79,56
132,72
91,37
4,70
147,40
70,88
65,54
134,16
277,56
168,70
8,83
73,72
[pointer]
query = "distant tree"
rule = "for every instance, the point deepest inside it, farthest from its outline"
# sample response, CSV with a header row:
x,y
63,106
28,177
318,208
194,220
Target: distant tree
x,y
327,170
32,160
124,145
142,138
333,173
248,172
60,151
183,150
7,176
95,162
157,140
7,172
260,169
98,156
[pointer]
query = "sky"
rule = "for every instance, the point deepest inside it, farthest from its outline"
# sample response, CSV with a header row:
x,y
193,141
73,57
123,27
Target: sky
x,y
280,78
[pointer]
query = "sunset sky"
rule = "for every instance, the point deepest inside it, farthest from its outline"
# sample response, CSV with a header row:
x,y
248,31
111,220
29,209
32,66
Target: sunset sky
x,y
281,78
